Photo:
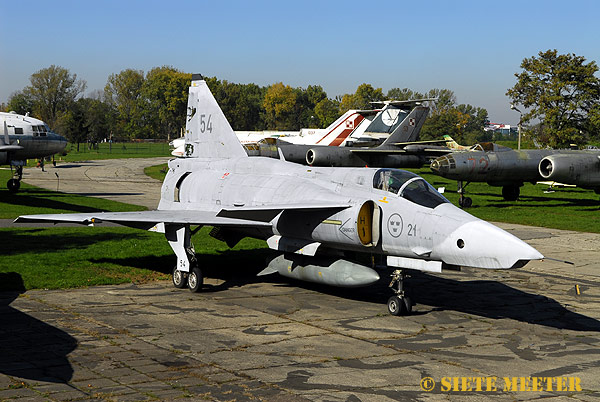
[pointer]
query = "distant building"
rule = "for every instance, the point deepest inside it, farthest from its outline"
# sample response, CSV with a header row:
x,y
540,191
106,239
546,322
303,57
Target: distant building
x,y
502,131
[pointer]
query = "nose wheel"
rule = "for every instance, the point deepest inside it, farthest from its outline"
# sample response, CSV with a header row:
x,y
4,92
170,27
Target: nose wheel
x,y
14,184
400,303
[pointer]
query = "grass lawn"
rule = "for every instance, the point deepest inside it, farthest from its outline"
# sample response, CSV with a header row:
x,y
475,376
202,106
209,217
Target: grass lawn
x,y
114,151
157,172
565,208
31,200
69,257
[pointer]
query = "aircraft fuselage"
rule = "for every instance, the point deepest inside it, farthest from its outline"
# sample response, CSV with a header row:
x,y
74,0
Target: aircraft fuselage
x,y
407,219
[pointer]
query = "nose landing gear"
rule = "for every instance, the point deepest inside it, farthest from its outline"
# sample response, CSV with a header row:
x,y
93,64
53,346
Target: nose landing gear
x,y
400,303
14,184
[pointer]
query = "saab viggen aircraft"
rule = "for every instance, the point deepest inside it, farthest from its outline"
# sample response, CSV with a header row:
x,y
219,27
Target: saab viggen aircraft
x,y
315,218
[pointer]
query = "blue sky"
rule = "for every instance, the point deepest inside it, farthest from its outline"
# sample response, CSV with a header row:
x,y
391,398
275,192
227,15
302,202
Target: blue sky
x,y
471,47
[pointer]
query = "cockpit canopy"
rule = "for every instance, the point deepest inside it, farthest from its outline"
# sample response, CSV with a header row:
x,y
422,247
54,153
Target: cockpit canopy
x,y
409,186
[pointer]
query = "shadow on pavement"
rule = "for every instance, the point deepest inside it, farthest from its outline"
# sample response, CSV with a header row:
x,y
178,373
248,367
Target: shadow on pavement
x,y
30,348
484,298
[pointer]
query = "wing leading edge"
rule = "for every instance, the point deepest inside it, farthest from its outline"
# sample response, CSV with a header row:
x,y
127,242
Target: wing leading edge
x,y
258,217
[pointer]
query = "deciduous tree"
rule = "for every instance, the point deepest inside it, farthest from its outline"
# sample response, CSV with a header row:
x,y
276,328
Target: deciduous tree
x,y
365,93
53,90
122,93
21,102
279,104
562,91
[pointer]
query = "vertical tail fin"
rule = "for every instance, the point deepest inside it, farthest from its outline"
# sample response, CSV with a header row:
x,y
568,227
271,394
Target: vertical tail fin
x,y
450,143
208,134
340,130
409,129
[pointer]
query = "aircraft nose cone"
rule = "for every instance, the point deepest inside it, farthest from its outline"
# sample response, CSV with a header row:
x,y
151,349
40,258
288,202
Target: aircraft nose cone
x,y
483,245
442,164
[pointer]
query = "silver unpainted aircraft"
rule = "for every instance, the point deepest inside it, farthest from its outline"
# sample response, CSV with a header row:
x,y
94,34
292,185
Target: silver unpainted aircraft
x,y
579,168
25,137
510,169
314,217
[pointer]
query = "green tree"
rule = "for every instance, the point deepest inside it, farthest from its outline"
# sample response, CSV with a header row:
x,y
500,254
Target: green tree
x,y
53,90
242,104
361,99
122,93
20,102
446,99
71,124
327,111
97,119
280,105
163,102
464,123
560,90
403,94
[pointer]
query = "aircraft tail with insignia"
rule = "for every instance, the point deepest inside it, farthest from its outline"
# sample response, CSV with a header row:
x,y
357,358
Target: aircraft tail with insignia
x,y
208,134
408,131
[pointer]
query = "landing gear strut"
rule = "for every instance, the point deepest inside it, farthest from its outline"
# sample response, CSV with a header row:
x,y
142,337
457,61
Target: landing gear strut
x,y
400,303
186,272
14,184
463,202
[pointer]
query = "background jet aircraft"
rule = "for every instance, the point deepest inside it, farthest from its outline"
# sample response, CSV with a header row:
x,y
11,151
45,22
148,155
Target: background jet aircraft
x,y
581,168
347,127
311,216
510,168
399,148
25,138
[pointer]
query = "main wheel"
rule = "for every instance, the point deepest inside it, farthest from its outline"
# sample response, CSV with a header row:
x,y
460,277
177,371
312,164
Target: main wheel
x,y
195,279
395,305
465,202
13,185
179,279
511,193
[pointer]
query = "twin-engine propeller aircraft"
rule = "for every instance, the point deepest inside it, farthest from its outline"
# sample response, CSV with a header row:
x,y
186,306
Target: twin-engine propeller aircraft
x,y
23,138
314,217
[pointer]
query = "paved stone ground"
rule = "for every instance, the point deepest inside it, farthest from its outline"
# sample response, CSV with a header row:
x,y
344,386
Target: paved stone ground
x,y
114,179
248,338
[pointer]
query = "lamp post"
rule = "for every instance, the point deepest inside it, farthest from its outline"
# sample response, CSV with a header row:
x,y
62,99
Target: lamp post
x,y
518,125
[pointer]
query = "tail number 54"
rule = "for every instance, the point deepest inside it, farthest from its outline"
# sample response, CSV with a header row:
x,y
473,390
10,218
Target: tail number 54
x,y
205,123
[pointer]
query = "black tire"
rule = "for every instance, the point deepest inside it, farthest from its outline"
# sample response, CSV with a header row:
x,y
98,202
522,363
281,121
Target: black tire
x,y
195,280
395,305
179,279
407,305
511,193
13,185
467,202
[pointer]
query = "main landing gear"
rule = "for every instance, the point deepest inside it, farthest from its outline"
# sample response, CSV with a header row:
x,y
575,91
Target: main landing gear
x,y
463,202
400,303
186,272
14,184
509,193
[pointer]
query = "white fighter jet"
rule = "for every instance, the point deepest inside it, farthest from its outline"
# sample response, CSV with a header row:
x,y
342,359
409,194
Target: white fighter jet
x,y
25,137
314,217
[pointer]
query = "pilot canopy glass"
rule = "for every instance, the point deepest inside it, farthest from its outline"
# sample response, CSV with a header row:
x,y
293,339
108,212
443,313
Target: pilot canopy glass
x,y
409,186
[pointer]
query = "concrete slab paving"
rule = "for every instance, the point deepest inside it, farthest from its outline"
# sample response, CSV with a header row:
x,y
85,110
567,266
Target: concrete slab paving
x,y
287,341
138,342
